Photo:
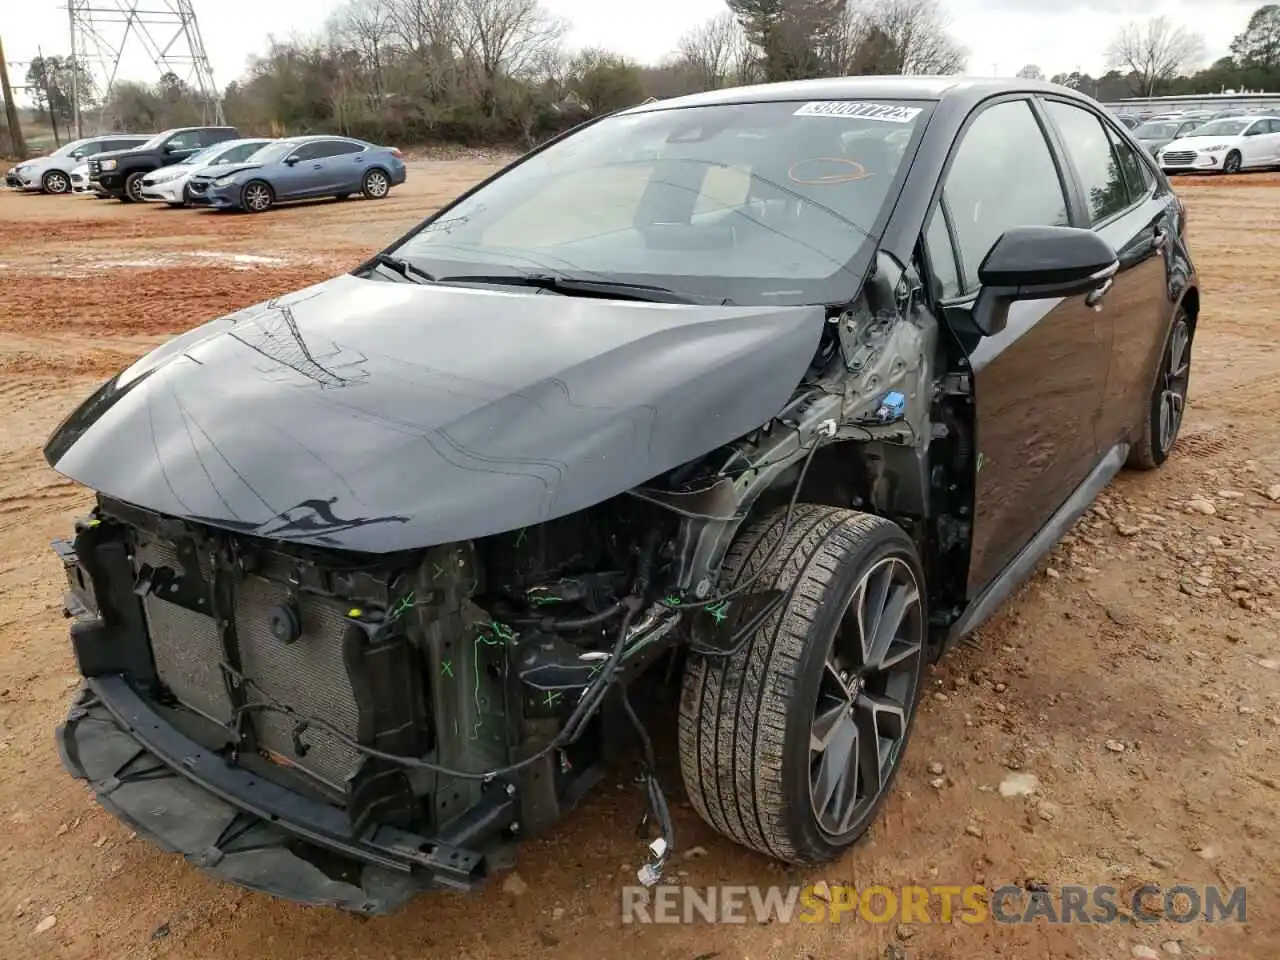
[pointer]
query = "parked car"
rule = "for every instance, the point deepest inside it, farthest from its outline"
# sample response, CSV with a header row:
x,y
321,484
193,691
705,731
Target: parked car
x,y
52,173
373,565
169,184
1156,134
1128,121
120,174
1228,145
302,168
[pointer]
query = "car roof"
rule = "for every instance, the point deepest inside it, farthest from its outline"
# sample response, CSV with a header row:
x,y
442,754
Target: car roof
x,y
960,88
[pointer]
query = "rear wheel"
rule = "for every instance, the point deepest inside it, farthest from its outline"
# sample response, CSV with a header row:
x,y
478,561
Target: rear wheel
x,y
257,196
55,181
1232,163
376,185
1162,417
790,745
133,188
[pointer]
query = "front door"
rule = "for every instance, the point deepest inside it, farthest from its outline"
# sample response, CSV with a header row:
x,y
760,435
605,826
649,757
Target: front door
x,y
1038,383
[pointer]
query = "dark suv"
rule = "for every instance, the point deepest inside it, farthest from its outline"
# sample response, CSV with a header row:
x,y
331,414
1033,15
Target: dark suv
x,y
119,174
775,392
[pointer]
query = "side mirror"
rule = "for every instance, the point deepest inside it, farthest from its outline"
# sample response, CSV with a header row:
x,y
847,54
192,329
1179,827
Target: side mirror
x,y
1033,263
290,161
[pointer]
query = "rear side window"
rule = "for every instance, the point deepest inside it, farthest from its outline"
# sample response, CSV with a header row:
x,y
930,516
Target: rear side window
x,y
337,148
1089,147
1002,176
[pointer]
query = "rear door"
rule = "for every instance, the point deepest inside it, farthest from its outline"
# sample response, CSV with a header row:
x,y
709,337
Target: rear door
x,y
1038,383
1133,211
1255,146
339,163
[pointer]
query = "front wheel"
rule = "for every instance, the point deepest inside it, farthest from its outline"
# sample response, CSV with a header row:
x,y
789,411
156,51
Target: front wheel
x,y
790,745
133,188
375,185
1232,163
1162,416
257,197
55,181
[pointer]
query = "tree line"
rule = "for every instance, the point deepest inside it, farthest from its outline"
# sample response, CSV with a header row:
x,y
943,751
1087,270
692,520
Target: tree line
x,y
500,71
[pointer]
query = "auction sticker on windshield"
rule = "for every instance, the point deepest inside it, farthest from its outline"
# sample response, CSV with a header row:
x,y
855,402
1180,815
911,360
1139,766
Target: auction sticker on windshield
x,y
859,110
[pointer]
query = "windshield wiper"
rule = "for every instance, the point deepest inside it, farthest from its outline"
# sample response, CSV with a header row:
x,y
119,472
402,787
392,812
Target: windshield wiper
x,y
403,267
578,286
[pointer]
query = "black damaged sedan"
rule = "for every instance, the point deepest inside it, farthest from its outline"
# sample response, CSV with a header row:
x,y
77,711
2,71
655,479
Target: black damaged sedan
x,y
755,400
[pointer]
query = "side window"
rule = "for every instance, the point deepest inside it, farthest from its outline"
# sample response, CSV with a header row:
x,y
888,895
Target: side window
x,y
1137,175
1090,150
308,151
1002,175
335,148
187,140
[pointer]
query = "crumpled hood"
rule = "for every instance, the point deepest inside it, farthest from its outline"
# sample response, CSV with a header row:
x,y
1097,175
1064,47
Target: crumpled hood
x,y
212,173
381,416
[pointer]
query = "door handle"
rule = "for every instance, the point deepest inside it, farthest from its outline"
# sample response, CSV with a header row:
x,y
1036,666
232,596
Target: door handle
x,y
317,166
1158,238
1094,299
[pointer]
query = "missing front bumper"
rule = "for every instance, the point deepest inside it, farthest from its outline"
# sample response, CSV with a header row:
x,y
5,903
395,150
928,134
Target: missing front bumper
x,y
252,832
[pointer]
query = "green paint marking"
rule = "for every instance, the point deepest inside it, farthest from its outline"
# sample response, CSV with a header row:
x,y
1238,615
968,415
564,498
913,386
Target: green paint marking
x,y
671,601
552,697
437,570
543,601
403,606
719,611
446,668
522,536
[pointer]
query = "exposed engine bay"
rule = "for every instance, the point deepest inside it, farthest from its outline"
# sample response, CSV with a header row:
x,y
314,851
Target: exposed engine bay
x,y
420,710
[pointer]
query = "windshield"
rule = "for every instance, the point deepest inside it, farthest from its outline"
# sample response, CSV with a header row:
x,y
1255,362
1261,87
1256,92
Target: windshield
x,y
1156,131
271,152
155,141
67,148
1224,128
758,202
201,156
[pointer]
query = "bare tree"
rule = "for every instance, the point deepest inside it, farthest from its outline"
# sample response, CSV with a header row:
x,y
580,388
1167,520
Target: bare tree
x,y
366,27
1030,72
1154,52
507,37
897,37
717,53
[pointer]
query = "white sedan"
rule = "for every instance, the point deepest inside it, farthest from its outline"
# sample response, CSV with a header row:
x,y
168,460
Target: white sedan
x,y
1228,145
169,184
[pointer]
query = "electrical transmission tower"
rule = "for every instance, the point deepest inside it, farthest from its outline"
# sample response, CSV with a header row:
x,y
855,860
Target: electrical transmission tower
x,y
104,31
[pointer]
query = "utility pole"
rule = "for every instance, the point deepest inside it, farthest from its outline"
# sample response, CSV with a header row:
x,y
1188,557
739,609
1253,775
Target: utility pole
x,y
11,110
75,74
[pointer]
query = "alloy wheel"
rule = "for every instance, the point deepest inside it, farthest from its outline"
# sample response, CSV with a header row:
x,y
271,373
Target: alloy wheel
x,y
257,197
57,183
134,186
376,184
868,685
1175,378
1232,163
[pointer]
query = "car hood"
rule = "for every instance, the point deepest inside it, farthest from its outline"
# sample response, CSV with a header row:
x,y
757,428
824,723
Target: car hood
x,y
381,416
209,173
1199,143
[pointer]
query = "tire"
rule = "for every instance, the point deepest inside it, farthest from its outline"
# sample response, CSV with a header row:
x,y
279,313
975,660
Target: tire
x,y
1168,399
133,188
55,181
376,184
748,722
1232,163
257,196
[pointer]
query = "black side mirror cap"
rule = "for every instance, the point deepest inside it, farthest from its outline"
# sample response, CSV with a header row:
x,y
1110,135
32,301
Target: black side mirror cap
x,y
1032,263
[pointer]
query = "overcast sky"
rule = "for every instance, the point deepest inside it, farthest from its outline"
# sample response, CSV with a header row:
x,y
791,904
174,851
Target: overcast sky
x,y
1001,35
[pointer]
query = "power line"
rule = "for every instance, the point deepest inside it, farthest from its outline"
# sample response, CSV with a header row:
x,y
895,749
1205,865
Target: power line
x,y
167,31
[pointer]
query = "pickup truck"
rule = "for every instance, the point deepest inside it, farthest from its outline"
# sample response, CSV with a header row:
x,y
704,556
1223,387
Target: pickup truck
x,y
119,173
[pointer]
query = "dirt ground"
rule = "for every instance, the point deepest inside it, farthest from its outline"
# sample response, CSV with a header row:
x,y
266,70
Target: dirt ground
x,y
1136,677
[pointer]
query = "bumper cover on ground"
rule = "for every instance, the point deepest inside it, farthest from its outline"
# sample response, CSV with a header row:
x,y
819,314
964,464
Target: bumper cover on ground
x,y
240,828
